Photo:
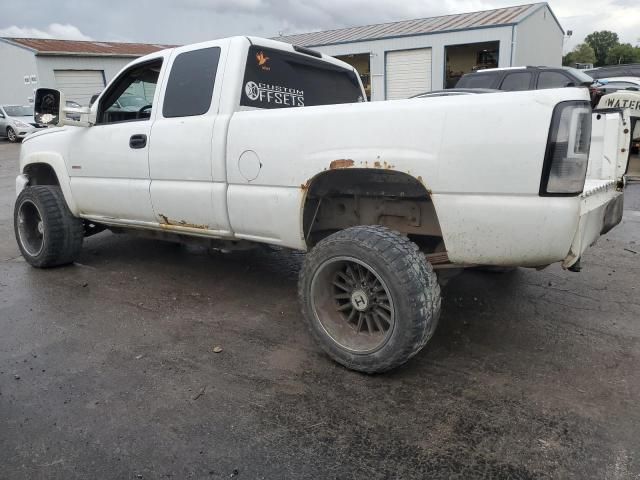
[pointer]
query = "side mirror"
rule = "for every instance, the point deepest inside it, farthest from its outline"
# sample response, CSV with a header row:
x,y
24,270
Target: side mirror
x,y
47,106
50,109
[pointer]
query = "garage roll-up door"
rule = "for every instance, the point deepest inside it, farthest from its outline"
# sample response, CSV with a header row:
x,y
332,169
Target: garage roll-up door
x,y
79,85
408,72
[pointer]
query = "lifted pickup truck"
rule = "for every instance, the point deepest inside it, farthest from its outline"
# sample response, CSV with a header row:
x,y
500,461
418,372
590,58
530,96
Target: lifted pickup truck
x,y
246,140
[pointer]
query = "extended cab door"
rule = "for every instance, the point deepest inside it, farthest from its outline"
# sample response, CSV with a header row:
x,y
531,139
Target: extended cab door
x,y
186,159
108,162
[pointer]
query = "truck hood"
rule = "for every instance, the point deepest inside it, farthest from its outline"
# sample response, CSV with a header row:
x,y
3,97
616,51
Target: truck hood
x,y
44,131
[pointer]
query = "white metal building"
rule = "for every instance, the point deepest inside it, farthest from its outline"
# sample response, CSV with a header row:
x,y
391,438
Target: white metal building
x,y
78,68
401,59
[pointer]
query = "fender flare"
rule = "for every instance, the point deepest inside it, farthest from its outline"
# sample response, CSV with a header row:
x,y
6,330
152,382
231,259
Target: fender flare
x,y
57,163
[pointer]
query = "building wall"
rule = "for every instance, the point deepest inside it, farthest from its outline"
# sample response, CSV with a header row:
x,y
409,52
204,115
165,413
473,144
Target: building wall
x,y
436,42
538,40
47,64
15,64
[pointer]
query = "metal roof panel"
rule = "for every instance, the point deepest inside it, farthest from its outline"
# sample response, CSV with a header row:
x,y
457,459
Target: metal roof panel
x,y
445,23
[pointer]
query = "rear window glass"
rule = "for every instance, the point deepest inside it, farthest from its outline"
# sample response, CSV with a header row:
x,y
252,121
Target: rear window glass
x,y
514,82
190,84
475,81
278,79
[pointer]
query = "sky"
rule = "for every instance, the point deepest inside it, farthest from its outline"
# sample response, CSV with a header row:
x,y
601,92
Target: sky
x,y
189,21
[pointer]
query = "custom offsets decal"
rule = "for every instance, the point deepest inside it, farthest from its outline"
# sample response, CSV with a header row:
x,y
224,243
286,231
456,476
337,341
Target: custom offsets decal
x,y
270,93
275,94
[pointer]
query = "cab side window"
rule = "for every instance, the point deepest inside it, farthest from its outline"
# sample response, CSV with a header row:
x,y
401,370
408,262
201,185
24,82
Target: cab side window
x,y
130,98
190,85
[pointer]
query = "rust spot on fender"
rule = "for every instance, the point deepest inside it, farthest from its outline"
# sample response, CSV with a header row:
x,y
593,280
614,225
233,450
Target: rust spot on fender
x,y
341,163
168,223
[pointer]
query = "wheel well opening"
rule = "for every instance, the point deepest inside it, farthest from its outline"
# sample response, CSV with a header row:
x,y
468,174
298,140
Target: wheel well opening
x,y
340,199
41,174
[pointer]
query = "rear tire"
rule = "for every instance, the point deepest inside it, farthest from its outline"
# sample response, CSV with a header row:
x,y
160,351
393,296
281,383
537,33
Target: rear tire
x,y
370,298
47,233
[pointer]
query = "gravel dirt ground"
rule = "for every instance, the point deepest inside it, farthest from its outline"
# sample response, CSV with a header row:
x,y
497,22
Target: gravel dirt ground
x,y
108,370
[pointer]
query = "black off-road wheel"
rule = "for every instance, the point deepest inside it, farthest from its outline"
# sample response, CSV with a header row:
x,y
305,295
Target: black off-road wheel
x,y
47,233
370,298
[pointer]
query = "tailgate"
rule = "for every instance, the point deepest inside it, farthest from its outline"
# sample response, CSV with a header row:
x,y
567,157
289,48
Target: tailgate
x,y
609,152
601,201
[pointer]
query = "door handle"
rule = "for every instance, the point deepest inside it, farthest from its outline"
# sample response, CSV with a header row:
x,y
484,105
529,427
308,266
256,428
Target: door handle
x,y
138,141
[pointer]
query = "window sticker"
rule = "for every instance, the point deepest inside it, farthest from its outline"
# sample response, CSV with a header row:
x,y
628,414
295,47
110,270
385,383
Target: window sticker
x,y
276,94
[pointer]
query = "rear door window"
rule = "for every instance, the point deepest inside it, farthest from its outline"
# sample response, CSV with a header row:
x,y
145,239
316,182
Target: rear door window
x,y
514,82
553,80
279,79
190,84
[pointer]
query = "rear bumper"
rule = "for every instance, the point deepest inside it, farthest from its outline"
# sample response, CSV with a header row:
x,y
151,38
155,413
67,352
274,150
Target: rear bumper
x,y
601,207
526,231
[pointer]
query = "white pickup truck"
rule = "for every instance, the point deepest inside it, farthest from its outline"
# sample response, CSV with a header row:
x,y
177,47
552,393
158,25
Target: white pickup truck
x,y
246,140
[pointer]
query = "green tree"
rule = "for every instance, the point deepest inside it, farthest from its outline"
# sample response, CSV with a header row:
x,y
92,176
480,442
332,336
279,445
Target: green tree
x,y
602,42
582,53
623,53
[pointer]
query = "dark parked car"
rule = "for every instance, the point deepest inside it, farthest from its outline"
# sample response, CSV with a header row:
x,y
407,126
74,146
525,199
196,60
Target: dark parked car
x,y
628,70
525,78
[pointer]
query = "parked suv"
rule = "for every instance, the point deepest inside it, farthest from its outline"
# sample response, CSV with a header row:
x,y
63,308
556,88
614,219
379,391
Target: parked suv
x,y
525,78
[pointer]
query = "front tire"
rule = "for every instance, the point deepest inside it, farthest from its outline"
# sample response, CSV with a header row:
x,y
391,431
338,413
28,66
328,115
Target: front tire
x,y
11,135
370,298
47,233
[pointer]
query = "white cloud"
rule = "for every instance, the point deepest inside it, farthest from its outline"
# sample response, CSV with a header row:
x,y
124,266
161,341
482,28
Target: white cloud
x,y
54,30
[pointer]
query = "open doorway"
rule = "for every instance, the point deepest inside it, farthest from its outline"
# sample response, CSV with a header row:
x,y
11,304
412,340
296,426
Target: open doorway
x,y
461,59
362,63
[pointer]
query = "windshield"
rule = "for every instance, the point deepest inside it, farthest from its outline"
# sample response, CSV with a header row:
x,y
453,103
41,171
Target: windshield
x,y
583,77
18,111
132,101
280,79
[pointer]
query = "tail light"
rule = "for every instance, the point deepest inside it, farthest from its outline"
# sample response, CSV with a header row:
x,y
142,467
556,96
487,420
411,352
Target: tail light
x,y
567,155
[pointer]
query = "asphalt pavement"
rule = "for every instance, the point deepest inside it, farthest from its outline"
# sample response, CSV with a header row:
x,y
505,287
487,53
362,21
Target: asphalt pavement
x,y
109,370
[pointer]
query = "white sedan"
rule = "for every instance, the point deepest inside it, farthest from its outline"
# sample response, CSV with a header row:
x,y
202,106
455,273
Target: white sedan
x,y
16,122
